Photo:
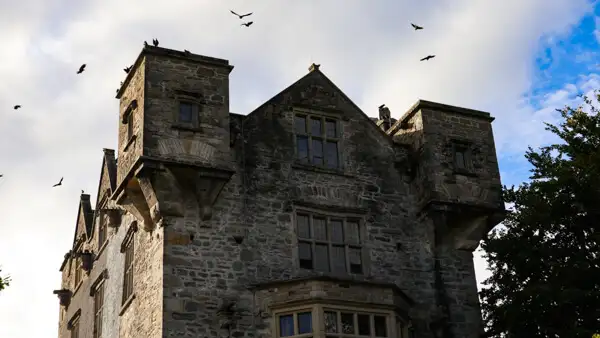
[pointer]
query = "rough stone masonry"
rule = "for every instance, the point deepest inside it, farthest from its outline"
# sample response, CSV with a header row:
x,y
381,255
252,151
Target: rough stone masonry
x,y
304,215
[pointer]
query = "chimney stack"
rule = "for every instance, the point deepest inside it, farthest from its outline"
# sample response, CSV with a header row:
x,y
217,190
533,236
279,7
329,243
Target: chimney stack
x,y
385,116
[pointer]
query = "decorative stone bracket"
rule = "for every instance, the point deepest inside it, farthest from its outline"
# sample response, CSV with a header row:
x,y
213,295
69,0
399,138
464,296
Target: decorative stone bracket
x,y
156,187
87,260
114,216
205,183
464,226
64,296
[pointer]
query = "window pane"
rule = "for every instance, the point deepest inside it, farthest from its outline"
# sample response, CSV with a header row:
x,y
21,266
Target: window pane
x,y
331,322
331,154
355,260
305,255
338,259
304,322
302,226
321,257
364,326
336,231
300,124
460,159
330,128
302,148
315,126
185,112
347,323
380,326
351,234
286,326
319,229
317,151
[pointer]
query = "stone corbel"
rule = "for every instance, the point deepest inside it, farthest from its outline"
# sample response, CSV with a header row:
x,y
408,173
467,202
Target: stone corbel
x,y
114,216
64,296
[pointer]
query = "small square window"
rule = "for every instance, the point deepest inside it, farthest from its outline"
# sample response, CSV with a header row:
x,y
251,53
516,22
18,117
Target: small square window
x,y
461,157
186,112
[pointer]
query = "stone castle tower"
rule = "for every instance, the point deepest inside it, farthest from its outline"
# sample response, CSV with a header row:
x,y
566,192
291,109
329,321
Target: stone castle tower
x,y
302,218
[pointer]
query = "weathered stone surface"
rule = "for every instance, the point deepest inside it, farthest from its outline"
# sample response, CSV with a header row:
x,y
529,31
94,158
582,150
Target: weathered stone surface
x,y
227,237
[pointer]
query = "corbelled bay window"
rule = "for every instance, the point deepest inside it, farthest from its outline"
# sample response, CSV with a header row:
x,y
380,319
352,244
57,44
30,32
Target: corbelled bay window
x,y
329,243
323,321
317,140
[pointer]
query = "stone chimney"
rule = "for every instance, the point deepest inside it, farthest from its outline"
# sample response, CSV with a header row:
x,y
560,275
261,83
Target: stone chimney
x,y
385,116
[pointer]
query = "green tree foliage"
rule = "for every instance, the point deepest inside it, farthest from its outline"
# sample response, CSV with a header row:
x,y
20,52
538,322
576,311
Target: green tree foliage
x,y
545,259
4,281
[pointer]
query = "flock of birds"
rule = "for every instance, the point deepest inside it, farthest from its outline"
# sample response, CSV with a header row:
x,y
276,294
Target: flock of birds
x,y
155,44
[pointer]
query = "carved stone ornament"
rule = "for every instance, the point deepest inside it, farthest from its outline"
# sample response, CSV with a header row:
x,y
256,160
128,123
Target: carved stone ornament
x,y
64,296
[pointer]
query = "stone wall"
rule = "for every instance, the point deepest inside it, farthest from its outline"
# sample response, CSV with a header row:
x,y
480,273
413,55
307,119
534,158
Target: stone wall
x,y
172,76
133,89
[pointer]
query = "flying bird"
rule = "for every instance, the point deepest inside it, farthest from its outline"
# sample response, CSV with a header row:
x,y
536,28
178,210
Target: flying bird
x,y
127,69
247,24
81,69
416,27
1,175
155,42
240,16
59,183
17,107
428,57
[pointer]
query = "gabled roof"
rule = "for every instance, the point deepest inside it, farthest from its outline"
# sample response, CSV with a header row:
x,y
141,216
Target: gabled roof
x,y
85,216
109,168
316,74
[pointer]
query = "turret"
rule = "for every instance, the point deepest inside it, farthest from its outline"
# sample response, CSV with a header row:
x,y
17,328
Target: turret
x,y
174,118
457,179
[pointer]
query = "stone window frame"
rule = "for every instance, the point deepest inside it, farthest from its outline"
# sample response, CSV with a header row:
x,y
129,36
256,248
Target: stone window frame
x,y
197,105
129,121
318,309
332,214
102,232
73,324
463,147
128,249
338,139
78,274
97,292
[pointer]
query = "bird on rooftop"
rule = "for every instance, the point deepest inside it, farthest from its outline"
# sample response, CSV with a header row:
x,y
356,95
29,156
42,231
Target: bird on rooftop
x,y
155,42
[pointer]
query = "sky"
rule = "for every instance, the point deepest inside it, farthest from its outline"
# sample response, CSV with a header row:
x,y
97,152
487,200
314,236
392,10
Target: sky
x,y
518,60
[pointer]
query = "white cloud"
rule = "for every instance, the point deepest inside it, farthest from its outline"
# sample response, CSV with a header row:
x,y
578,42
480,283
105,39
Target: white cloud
x,y
485,52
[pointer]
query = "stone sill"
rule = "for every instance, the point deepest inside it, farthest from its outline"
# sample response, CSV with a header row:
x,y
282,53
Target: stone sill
x,y
125,305
464,172
131,140
310,167
186,127
101,250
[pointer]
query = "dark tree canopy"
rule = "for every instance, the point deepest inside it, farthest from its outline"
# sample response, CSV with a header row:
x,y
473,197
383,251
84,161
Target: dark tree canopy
x,y
545,259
